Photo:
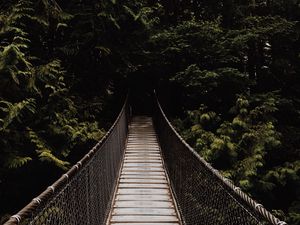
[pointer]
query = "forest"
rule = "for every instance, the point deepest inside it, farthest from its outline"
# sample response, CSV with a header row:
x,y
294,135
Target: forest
x,y
227,72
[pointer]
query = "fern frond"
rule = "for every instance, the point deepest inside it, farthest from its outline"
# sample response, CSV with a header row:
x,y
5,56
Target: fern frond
x,y
69,50
21,39
16,110
111,19
103,50
12,59
130,12
46,155
45,152
14,162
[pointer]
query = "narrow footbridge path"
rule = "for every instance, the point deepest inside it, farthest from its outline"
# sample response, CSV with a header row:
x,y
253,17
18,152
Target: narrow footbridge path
x,y
143,173
143,195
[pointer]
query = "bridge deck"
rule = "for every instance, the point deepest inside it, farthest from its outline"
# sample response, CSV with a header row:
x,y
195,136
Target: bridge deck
x,y
143,195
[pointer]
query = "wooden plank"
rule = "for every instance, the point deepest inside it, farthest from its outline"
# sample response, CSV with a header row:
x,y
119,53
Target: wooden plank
x,y
143,197
128,185
142,151
145,157
155,179
136,155
145,173
137,168
142,154
143,181
147,161
141,169
139,155
142,147
149,144
142,176
143,135
143,218
142,191
142,164
144,211
116,223
143,204
142,160
142,140
152,134
147,164
146,143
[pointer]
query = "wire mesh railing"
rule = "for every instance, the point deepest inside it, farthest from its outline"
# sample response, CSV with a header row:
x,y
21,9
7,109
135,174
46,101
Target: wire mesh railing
x,y
203,195
84,194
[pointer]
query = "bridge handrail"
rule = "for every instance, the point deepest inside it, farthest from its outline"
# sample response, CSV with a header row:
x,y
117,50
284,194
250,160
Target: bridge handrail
x,y
53,190
255,206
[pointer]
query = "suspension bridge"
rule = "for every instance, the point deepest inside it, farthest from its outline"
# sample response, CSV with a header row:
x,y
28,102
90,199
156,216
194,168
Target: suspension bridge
x,y
143,173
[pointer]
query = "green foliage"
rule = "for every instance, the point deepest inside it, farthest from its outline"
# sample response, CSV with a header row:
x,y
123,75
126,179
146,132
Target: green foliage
x,y
15,111
294,215
232,65
11,60
243,147
207,83
43,125
16,161
45,153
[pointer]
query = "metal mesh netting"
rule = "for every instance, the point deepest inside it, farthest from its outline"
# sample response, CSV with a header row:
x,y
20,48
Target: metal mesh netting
x,y
84,197
202,197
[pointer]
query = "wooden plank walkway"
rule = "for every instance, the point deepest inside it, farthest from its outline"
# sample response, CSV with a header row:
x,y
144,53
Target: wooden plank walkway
x,y
143,195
